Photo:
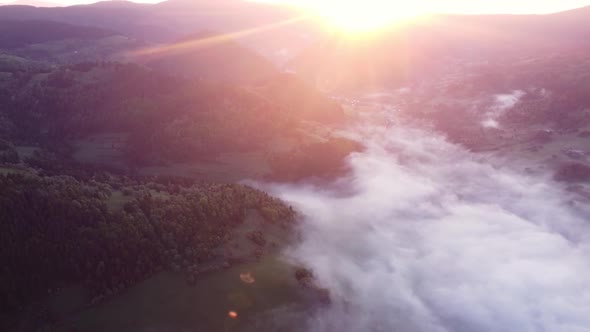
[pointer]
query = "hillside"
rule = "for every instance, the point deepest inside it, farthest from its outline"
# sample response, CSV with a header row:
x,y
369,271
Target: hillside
x,y
15,34
209,56
205,56
137,170
170,20
158,119
134,21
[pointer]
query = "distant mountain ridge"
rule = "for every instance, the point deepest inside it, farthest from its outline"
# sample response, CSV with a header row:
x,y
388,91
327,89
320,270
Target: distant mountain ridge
x,y
205,55
278,32
175,17
20,33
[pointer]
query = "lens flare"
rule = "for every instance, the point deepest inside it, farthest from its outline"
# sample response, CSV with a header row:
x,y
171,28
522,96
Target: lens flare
x,y
355,16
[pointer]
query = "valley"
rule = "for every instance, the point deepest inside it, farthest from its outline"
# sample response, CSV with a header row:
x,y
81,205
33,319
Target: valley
x,y
236,166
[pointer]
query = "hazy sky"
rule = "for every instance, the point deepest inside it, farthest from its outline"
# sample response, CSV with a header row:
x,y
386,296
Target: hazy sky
x,y
477,6
459,6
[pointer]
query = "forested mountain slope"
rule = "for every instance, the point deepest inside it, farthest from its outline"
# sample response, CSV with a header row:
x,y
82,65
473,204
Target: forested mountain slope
x,y
163,117
18,33
170,20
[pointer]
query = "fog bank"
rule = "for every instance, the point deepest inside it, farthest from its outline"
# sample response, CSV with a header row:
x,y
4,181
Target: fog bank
x,y
502,104
424,236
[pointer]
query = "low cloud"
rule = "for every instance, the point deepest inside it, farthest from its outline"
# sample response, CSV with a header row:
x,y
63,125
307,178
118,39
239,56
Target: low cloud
x,y
502,103
426,237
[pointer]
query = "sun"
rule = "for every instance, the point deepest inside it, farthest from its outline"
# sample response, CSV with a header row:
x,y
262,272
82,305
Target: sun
x,y
361,16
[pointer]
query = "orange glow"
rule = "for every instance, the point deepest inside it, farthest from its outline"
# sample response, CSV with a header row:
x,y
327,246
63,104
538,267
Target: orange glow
x,y
363,16
232,314
247,278
355,16
442,6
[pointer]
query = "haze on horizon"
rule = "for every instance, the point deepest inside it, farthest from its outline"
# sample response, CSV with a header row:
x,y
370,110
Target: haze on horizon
x,y
433,6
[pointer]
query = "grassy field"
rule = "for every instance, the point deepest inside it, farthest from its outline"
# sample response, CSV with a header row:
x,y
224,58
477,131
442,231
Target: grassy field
x,y
227,167
10,170
107,149
101,149
25,151
165,303
117,201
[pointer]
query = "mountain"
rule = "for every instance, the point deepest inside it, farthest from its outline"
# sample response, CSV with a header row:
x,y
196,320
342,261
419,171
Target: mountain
x,y
60,43
268,28
134,20
206,55
20,33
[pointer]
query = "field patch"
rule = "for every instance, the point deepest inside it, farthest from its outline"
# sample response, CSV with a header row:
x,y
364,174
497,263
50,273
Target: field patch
x,y
102,149
26,151
227,167
166,303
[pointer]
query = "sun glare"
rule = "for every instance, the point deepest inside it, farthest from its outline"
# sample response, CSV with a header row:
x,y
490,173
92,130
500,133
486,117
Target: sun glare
x,y
361,16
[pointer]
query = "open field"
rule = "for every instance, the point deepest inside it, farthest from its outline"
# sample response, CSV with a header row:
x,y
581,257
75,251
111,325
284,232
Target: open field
x,y
227,167
101,149
165,302
107,149
25,151
11,170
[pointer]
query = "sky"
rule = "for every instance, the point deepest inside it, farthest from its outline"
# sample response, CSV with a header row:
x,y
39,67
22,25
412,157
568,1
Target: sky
x,y
476,6
455,6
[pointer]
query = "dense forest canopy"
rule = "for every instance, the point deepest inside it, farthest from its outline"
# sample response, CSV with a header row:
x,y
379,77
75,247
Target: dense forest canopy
x,y
15,33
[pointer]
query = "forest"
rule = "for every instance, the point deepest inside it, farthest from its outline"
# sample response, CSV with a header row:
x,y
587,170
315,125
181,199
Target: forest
x,y
58,230
21,33
167,118
66,222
